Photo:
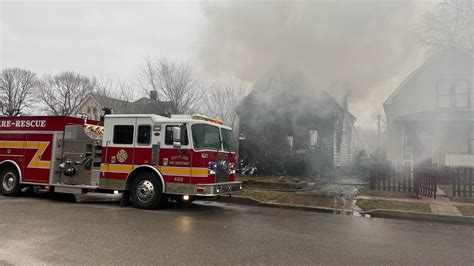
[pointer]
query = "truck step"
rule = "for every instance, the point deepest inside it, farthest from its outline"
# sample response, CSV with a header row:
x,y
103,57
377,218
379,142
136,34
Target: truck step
x,y
72,190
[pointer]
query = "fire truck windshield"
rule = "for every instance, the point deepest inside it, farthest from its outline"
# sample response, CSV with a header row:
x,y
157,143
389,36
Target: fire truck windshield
x,y
206,137
228,140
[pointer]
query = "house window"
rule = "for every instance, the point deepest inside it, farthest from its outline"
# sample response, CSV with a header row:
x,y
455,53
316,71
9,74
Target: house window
x,y
453,94
461,98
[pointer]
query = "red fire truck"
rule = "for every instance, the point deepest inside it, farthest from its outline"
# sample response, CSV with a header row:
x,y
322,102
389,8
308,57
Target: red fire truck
x,y
149,158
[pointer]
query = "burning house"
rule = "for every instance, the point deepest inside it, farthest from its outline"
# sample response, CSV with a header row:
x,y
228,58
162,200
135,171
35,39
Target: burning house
x,y
293,128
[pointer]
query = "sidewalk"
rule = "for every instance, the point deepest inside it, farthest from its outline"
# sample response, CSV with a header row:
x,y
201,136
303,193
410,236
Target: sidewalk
x,y
424,201
445,209
442,205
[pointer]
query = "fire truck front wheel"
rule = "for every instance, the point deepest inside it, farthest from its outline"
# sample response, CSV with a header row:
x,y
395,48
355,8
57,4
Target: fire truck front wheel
x,y
10,182
145,191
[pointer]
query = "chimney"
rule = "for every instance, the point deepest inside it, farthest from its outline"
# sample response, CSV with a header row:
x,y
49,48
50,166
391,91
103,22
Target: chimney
x,y
107,111
154,95
347,93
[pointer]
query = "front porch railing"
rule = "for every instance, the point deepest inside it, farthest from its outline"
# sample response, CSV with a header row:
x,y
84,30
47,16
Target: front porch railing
x,y
459,160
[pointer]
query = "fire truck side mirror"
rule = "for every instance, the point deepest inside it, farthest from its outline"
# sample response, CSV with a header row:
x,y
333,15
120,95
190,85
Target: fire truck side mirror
x,y
177,137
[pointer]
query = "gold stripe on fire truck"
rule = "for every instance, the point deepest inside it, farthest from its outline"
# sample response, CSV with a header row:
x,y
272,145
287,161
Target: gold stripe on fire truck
x,y
184,171
36,161
165,170
116,168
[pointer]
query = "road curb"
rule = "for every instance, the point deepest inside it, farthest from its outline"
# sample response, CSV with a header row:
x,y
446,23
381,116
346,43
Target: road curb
x,y
254,202
421,216
378,213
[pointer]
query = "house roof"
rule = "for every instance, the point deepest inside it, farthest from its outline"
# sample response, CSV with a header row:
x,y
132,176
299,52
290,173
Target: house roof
x,y
300,101
101,98
148,106
79,107
141,106
389,100
351,116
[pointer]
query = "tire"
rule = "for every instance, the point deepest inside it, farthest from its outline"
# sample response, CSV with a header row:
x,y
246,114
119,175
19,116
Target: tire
x,y
9,182
145,191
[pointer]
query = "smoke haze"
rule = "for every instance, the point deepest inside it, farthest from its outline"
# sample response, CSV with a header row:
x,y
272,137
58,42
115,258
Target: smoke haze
x,y
364,43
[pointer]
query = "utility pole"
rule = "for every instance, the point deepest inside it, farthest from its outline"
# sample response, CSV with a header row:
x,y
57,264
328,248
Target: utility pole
x,y
378,136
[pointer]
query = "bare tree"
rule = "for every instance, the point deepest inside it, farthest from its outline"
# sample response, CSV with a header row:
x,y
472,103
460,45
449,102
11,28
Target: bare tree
x,y
174,81
116,94
148,78
452,24
222,98
17,87
64,92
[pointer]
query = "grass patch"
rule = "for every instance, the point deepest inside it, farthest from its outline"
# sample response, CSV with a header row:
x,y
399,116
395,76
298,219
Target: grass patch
x,y
305,200
366,191
448,189
259,178
262,195
273,182
463,199
466,210
287,198
371,204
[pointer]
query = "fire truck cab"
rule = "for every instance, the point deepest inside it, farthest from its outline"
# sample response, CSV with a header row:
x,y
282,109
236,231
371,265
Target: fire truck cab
x,y
149,158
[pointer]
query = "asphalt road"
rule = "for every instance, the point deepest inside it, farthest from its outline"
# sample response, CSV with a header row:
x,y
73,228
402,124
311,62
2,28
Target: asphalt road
x,y
39,230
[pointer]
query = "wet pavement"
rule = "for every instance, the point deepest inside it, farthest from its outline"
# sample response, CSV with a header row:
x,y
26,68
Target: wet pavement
x,y
41,230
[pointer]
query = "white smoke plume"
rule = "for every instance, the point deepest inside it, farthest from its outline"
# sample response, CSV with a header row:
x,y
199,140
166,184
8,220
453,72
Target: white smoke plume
x,y
329,42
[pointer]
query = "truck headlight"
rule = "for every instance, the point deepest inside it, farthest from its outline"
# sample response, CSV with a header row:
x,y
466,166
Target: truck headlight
x,y
212,168
232,168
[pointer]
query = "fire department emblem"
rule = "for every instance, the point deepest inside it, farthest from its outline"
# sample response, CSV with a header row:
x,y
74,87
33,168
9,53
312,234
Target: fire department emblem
x,y
122,155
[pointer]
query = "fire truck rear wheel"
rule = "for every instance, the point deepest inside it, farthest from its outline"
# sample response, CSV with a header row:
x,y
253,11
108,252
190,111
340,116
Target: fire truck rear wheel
x,y
145,191
10,182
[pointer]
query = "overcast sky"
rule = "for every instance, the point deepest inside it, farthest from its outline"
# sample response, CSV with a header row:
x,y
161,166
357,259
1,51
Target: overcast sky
x,y
96,37
111,39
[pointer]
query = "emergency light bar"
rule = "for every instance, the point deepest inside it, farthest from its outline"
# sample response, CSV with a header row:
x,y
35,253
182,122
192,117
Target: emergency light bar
x,y
205,118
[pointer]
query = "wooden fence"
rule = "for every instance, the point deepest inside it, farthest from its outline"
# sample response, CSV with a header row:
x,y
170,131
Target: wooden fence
x,y
384,177
421,181
425,180
462,182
